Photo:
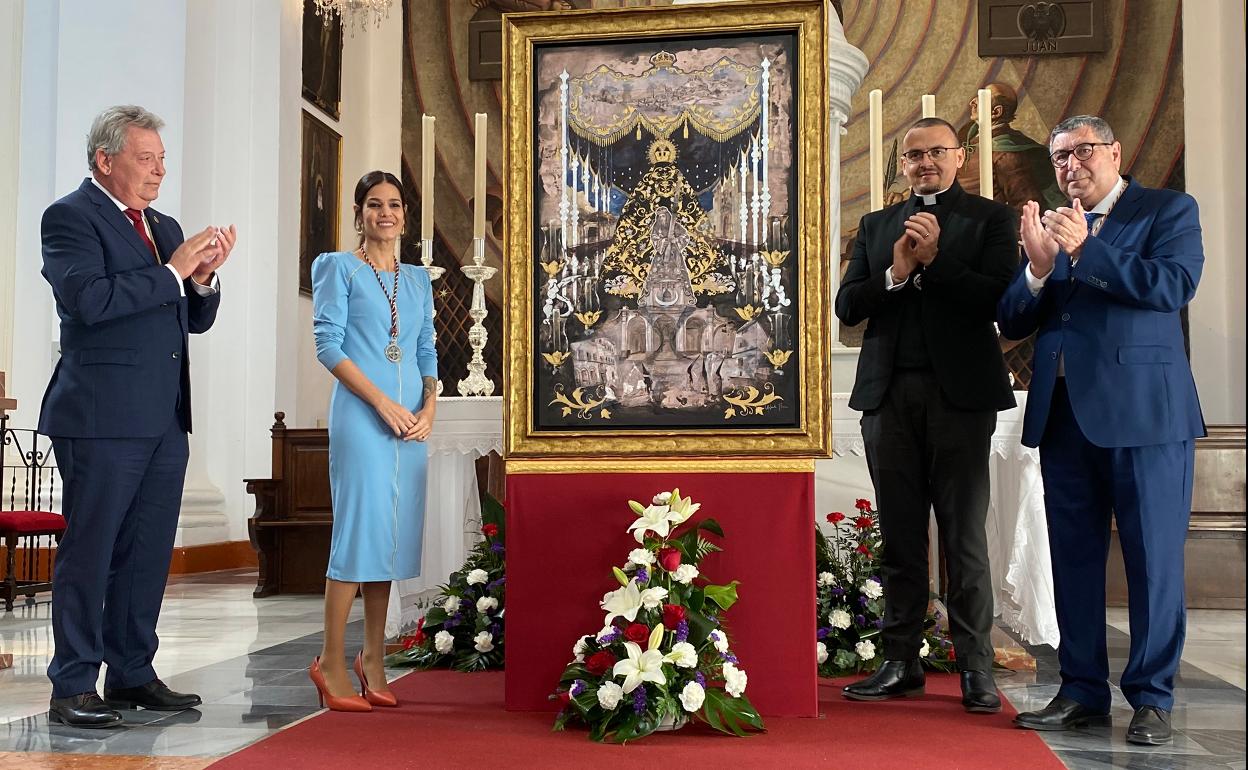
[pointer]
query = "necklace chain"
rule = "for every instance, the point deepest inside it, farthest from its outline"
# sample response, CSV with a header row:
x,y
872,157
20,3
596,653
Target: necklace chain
x,y
391,297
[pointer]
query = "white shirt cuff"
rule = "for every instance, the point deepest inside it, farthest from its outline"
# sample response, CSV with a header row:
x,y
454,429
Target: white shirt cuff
x,y
888,280
210,289
1034,284
177,277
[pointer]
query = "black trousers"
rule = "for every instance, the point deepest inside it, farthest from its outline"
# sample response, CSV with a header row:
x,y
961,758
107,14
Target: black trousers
x,y
926,455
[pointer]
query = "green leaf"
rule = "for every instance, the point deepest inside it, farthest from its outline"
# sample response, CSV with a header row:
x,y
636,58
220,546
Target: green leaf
x,y
724,596
492,512
712,526
700,626
696,600
736,716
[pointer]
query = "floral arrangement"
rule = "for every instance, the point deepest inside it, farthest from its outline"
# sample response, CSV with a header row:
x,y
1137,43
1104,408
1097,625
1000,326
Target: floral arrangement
x,y
463,628
662,657
849,606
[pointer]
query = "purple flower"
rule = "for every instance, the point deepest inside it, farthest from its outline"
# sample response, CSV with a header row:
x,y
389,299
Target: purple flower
x,y
578,687
611,638
699,678
496,583
879,622
837,591
497,547
824,633
862,600
639,700
682,630
729,657
860,620
642,576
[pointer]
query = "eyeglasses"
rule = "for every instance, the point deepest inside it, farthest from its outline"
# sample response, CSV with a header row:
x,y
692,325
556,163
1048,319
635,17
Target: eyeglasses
x,y
1082,152
936,153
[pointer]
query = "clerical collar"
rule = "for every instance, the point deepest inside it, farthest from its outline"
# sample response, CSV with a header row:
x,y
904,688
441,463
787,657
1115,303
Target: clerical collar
x,y
934,198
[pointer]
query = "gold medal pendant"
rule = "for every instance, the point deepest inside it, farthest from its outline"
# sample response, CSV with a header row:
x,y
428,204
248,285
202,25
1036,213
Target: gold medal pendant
x,y
394,352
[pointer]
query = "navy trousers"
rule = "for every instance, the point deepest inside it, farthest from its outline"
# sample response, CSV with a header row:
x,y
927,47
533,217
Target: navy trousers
x,y
121,500
1148,491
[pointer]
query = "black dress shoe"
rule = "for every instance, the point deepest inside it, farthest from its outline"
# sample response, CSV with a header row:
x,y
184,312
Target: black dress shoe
x,y
1061,714
83,710
1149,727
154,696
893,679
979,693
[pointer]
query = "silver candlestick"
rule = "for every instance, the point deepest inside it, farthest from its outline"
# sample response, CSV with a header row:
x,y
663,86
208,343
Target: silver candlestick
x,y
477,384
435,272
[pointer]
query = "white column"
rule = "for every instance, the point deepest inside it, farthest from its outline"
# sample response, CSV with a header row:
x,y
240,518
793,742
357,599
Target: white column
x,y
1213,88
10,122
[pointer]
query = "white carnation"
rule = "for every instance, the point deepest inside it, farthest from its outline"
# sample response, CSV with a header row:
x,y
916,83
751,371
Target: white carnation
x,y
683,655
826,578
484,641
685,574
486,603
478,576
443,642
652,598
605,632
719,639
451,604
821,653
925,650
865,650
578,650
692,696
609,694
734,680
872,589
839,619
642,557
662,498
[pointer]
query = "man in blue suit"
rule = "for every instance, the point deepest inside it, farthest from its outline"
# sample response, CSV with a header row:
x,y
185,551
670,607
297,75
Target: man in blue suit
x,y
1113,408
128,290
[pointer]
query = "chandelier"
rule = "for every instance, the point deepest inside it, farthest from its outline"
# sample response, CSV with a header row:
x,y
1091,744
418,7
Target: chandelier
x,y
353,12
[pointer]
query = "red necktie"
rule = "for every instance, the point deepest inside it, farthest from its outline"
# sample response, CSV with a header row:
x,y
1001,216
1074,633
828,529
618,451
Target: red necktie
x,y
136,218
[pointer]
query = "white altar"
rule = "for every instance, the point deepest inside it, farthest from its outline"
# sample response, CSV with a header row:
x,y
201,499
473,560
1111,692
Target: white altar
x,y
1018,540
464,430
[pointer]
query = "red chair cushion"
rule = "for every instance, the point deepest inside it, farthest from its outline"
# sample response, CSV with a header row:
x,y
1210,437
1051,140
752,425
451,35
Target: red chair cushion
x,y
32,522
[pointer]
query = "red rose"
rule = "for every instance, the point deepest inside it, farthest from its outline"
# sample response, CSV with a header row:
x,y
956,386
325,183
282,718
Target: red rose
x,y
636,632
864,522
564,698
600,662
863,549
672,615
417,637
836,517
862,505
669,559
490,530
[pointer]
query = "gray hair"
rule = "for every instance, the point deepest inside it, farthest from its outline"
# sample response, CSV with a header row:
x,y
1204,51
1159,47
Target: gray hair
x,y
108,130
1098,125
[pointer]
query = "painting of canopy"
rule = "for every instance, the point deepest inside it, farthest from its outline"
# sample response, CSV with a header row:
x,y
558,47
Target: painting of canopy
x,y
666,280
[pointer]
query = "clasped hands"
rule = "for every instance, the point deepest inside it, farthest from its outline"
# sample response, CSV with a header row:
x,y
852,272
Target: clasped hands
x,y
1064,229
916,246
404,423
200,255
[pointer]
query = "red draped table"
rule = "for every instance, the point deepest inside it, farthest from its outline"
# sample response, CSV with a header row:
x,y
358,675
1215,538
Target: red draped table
x,y
566,529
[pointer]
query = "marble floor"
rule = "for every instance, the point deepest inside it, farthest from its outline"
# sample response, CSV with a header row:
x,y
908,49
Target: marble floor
x,y
247,658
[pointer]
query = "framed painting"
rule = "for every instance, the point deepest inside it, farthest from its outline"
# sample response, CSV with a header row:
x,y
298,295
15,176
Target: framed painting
x,y
322,59
318,208
667,286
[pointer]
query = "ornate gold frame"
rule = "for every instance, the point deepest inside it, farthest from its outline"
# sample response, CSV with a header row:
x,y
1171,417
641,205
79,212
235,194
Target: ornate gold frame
x,y
808,20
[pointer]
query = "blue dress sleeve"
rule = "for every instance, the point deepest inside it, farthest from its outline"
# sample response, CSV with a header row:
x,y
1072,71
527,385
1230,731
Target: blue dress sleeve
x,y
329,310
426,350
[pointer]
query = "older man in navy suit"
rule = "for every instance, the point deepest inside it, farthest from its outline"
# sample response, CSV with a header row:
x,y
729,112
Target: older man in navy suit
x,y
1113,408
128,290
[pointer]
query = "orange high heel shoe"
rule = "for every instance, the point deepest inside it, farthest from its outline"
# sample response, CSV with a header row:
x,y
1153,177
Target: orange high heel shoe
x,y
351,702
372,696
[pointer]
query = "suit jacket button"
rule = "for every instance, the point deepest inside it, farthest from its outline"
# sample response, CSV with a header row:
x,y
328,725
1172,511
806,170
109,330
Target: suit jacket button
x,y
1051,355
175,355
1065,316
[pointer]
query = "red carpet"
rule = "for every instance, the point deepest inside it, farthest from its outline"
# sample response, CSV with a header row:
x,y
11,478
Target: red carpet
x,y
457,720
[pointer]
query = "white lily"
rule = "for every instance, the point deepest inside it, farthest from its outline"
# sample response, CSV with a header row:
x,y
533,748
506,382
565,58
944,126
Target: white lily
x,y
639,667
623,602
652,518
681,507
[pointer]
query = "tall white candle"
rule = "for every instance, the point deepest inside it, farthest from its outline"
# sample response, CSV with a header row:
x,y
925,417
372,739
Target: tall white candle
x,y
426,177
478,189
985,142
929,105
876,104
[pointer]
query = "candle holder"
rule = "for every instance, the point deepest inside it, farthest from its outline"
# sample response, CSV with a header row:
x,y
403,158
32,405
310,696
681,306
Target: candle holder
x,y
435,272
476,383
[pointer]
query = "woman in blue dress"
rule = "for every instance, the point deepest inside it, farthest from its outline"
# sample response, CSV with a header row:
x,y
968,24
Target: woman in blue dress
x,y
373,324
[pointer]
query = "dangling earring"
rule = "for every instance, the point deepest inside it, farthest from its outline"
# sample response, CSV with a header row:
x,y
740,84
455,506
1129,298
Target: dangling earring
x,y
359,226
